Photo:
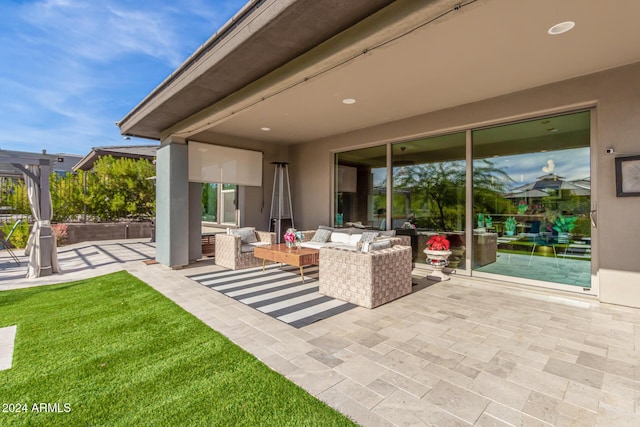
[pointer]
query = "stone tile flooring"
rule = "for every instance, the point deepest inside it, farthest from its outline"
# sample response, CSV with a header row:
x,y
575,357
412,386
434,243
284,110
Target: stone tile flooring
x,y
458,353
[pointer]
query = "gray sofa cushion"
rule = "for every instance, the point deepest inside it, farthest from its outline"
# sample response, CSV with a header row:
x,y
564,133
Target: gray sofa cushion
x,y
376,246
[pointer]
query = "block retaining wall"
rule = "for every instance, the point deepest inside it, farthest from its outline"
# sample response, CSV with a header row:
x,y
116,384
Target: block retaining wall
x,y
108,231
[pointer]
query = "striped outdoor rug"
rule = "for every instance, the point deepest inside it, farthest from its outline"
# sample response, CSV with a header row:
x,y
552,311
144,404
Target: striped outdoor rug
x,y
278,293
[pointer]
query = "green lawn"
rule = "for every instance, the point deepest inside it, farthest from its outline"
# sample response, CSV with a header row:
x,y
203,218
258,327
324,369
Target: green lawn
x,y
111,351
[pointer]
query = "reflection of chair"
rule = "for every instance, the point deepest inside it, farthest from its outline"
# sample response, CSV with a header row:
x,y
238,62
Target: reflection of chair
x,y
543,240
5,244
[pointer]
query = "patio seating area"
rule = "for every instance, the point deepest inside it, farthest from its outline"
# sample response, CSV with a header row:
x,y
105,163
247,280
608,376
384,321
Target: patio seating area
x,y
463,352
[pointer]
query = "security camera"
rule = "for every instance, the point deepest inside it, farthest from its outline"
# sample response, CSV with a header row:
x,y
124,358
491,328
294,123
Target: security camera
x,y
609,151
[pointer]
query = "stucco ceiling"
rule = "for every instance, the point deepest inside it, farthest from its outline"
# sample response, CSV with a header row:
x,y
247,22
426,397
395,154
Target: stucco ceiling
x,y
486,49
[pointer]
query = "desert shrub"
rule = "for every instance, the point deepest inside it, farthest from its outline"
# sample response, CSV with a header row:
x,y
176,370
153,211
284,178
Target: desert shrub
x,y
20,236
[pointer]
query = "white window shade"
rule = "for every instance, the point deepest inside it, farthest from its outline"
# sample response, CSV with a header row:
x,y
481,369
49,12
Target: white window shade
x,y
215,163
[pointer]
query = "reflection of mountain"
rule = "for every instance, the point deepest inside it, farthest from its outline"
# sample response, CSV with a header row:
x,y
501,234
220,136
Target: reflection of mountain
x,y
551,182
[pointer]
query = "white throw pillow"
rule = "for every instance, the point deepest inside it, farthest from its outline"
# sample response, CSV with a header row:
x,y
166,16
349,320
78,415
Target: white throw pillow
x,y
354,239
340,237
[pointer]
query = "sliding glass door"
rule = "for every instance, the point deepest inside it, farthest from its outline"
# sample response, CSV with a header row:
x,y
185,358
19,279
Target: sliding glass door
x,y
530,204
532,193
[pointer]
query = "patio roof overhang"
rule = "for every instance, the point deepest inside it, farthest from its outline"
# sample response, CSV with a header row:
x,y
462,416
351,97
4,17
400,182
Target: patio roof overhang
x,y
396,59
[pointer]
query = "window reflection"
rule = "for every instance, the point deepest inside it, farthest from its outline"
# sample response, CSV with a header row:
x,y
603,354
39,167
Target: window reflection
x,y
429,192
534,198
360,182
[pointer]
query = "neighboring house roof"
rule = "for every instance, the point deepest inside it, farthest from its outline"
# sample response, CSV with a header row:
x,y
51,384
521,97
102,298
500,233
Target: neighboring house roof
x,y
131,151
60,162
288,64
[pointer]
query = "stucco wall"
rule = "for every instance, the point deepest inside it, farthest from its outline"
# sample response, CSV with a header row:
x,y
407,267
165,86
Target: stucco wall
x,y
615,94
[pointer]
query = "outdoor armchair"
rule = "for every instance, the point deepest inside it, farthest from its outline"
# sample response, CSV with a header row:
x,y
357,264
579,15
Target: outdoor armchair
x,y
367,279
235,251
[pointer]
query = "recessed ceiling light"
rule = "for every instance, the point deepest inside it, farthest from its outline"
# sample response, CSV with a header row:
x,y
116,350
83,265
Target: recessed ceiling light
x,y
348,101
266,129
545,122
562,27
552,129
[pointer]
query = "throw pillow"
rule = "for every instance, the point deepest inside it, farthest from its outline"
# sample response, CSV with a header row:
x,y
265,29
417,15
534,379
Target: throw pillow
x,y
369,236
321,236
247,234
390,233
337,237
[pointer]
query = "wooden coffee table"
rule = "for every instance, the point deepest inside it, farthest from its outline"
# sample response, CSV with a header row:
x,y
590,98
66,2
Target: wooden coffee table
x,y
290,256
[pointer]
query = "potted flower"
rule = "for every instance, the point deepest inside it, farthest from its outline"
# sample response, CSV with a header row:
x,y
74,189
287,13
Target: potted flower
x,y
438,253
522,207
290,237
510,226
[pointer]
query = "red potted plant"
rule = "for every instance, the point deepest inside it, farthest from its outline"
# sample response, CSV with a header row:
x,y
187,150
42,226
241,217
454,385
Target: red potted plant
x,y
438,252
438,243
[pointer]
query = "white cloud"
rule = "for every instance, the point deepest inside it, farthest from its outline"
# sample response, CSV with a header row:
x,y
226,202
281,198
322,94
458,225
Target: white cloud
x,y
549,167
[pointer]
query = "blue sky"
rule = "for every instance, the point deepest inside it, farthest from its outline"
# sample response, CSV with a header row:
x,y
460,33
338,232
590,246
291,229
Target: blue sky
x,y
72,68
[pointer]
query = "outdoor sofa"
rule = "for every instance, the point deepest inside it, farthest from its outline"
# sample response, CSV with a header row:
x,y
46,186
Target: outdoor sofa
x,y
368,279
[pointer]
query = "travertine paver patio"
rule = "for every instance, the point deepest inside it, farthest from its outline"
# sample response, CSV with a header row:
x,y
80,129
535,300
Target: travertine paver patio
x,y
461,353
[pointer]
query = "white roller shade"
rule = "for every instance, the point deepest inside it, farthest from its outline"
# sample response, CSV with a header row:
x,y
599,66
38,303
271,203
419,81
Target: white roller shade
x,y
215,163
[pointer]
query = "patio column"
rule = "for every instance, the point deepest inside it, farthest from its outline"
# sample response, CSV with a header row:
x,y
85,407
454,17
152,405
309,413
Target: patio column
x,y
195,221
172,204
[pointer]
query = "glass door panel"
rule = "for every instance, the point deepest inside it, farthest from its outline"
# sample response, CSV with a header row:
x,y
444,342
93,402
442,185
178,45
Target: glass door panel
x,y
531,200
229,205
360,188
210,202
429,193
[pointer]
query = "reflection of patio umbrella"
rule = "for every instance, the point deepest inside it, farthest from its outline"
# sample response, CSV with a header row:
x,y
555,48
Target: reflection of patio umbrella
x,y
526,194
545,183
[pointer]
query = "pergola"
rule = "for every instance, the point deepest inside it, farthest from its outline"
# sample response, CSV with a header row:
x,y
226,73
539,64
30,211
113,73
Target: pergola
x,y
35,168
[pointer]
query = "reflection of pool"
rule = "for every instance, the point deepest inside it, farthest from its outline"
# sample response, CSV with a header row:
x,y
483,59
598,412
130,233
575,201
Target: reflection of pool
x,y
568,271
